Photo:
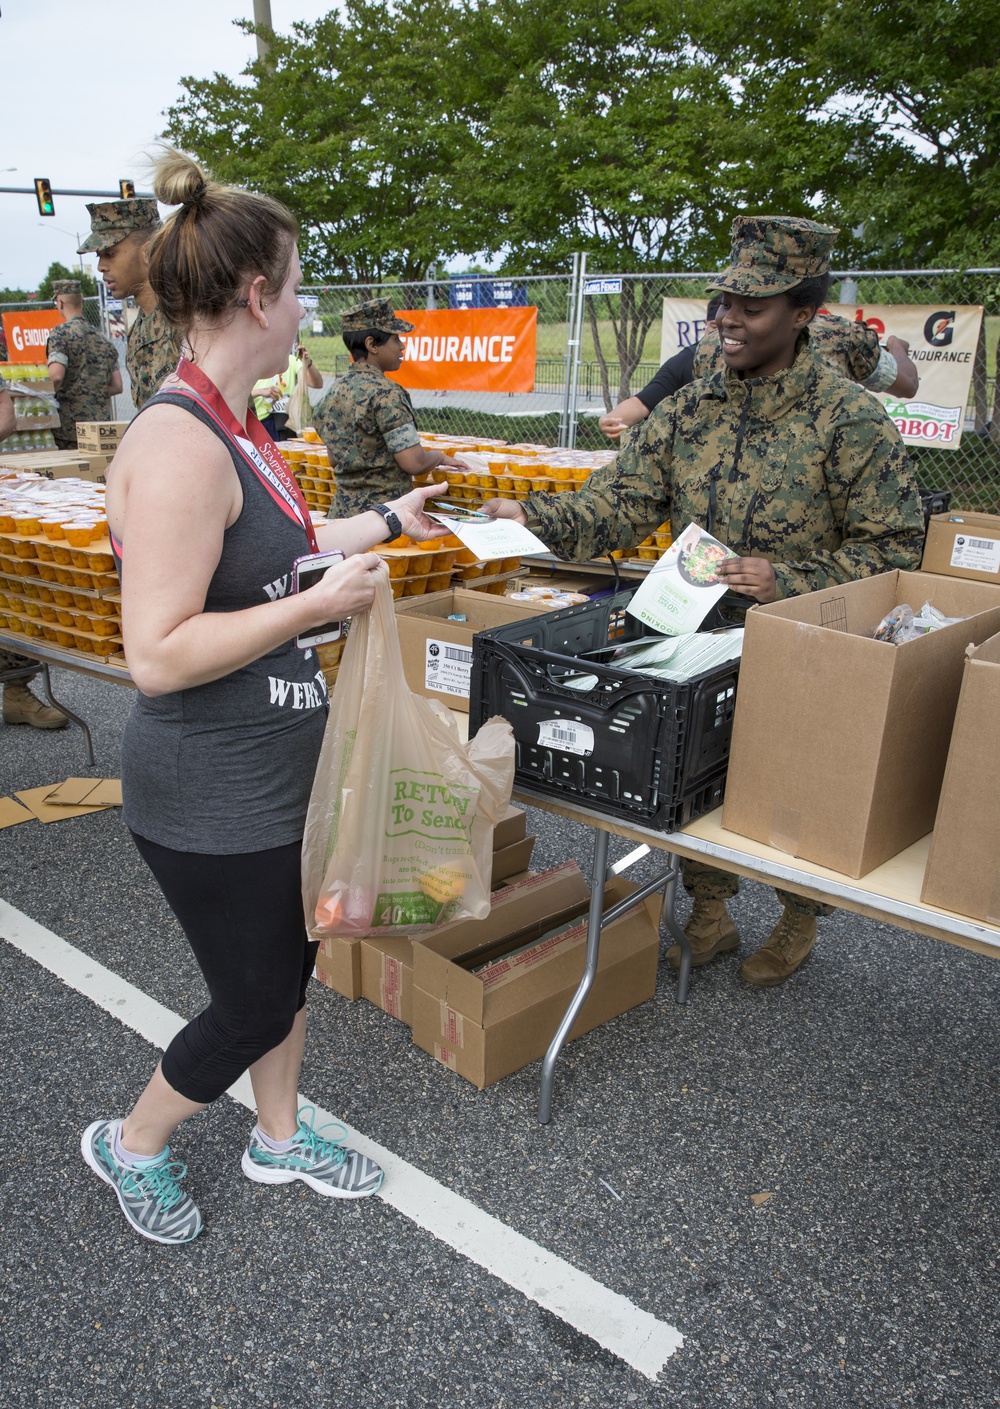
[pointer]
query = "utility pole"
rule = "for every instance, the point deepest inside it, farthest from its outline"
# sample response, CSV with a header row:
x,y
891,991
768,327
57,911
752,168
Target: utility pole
x,y
262,15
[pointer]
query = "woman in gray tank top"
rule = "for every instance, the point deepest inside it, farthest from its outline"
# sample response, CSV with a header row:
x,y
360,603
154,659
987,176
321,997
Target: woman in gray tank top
x,y
219,752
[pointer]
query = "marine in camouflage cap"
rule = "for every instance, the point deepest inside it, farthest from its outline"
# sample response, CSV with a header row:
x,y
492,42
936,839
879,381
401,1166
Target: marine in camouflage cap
x,y
375,316
66,286
773,253
113,221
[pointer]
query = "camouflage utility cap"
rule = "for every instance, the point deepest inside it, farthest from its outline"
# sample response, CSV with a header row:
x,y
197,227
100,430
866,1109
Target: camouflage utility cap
x,y
112,221
773,253
65,286
375,316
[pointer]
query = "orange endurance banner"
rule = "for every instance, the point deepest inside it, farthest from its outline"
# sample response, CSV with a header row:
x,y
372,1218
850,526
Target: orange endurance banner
x,y
27,333
469,349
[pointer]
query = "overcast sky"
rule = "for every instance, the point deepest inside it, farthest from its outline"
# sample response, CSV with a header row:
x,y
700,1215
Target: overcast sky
x,y
85,89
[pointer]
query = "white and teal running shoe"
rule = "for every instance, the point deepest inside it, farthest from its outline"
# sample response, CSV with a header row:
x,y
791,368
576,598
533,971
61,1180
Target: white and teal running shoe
x,y
150,1195
325,1164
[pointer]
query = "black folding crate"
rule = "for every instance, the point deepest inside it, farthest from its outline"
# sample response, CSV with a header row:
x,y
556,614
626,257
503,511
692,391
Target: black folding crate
x,y
649,751
934,501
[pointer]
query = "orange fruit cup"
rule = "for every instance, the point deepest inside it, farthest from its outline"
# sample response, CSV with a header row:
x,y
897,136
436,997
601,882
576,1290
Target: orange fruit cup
x,y
78,535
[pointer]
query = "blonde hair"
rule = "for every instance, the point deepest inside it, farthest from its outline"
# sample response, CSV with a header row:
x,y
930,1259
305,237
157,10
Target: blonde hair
x,y
202,257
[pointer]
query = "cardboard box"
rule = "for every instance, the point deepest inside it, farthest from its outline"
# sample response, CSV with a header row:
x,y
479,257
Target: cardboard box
x,y
387,975
509,860
380,968
487,1026
512,826
437,653
338,965
100,437
839,741
98,467
968,548
963,868
52,464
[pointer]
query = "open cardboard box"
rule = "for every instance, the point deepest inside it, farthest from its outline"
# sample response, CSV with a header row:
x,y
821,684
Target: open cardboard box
x,y
486,1025
437,653
963,544
340,961
387,964
963,868
839,741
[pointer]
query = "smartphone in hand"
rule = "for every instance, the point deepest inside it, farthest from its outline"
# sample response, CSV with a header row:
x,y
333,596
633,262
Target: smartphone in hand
x,y
306,572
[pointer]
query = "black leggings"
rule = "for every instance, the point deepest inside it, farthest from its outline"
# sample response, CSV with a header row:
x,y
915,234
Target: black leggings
x,y
243,918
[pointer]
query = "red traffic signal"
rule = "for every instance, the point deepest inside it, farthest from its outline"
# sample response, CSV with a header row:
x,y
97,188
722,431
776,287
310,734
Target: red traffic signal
x,y
127,189
43,194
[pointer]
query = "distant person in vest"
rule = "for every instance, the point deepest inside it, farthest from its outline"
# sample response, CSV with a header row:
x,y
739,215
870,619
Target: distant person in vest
x,y
271,398
366,421
119,233
83,365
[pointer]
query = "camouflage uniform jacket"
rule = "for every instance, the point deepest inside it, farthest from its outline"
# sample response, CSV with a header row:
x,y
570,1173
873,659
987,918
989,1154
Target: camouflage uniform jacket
x,y
803,468
852,349
365,420
89,359
151,355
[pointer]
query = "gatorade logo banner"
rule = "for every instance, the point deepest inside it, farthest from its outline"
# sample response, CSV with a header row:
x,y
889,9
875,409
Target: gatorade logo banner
x,y
942,339
469,349
27,333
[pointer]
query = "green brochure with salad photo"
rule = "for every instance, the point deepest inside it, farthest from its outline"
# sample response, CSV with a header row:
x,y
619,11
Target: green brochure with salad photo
x,y
683,585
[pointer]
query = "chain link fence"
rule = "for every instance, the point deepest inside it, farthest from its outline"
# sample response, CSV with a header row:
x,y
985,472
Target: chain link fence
x,y
618,336
596,349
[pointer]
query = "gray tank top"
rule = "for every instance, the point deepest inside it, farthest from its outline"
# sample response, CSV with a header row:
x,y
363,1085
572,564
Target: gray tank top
x,y
227,767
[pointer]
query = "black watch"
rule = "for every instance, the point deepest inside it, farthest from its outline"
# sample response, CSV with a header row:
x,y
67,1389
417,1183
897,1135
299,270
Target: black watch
x,y
391,520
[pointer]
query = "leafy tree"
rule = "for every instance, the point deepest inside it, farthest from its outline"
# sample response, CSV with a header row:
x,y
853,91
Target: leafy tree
x,y
87,282
882,118
357,123
604,138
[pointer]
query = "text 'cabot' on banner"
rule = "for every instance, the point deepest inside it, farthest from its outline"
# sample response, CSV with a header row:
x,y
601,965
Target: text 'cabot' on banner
x,y
469,349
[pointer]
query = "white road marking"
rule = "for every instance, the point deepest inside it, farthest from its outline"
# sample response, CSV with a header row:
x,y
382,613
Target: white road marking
x,y
614,1322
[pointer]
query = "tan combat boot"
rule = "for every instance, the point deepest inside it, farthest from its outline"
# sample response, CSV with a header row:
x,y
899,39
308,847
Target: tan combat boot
x,y
710,931
787,946
21,707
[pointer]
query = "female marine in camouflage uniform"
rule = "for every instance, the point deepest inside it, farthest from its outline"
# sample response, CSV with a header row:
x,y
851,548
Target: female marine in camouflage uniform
x,y
797,469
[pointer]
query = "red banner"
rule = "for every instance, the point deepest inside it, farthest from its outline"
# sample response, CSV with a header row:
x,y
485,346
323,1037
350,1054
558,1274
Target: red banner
x,y
469,349
27,333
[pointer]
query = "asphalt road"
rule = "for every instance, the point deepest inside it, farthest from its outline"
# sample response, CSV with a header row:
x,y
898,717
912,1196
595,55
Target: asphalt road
x,y
862,1097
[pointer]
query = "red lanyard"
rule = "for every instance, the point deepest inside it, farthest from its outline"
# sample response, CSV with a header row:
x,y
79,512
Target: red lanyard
x,y
259,451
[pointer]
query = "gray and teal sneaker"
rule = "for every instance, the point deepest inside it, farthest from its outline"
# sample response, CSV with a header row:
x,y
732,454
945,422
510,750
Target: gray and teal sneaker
x,y
151,1195
325,1164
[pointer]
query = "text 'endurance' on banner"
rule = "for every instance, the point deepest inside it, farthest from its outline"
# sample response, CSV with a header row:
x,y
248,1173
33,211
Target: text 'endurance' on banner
x,y
469,349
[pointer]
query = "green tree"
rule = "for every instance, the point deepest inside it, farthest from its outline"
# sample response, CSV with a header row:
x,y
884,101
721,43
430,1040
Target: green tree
x,y
882,118
357,123
87,282
604,138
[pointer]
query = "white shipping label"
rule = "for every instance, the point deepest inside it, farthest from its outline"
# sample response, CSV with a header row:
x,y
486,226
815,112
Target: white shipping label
x,y
977,554
567,735
448,668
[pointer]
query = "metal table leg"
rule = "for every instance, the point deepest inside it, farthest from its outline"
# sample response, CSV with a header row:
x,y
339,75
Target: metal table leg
x,y
594,923
666,881
64,709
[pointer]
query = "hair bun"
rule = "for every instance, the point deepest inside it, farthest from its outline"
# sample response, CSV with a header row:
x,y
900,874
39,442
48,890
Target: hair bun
x,y
177,179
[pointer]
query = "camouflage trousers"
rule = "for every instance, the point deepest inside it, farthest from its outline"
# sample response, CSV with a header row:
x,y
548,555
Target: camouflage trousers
x,y
709,883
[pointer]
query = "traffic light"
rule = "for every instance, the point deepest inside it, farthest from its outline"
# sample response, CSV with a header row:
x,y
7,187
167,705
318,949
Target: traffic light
x,y
127,189
43,194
